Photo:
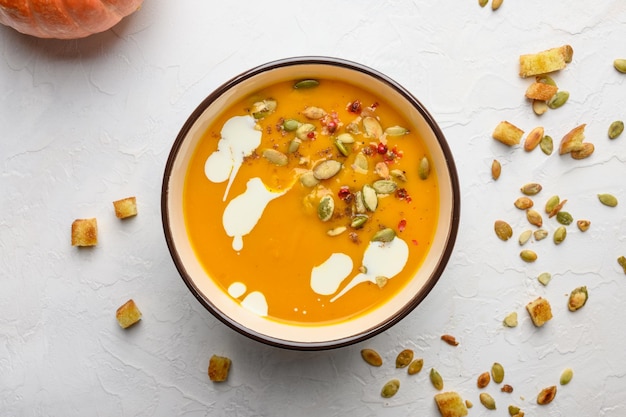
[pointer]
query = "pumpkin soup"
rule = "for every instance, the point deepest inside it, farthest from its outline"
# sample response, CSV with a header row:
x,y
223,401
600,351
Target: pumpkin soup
x,y
311,201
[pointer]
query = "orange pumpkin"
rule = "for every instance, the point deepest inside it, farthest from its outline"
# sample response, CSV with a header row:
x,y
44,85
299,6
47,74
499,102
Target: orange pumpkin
x,y
64,19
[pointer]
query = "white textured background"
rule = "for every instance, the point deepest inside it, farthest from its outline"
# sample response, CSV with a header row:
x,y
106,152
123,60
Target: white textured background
x,y
83,123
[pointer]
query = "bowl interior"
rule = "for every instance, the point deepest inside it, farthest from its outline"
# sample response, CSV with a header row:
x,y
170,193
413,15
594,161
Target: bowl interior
x,y
308,336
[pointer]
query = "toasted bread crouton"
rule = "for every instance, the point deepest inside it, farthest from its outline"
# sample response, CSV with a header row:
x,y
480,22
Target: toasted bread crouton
x,y
541,91
546,61
219,366
507,133
128,314
540,311
573,140
126,207
450,404
85,232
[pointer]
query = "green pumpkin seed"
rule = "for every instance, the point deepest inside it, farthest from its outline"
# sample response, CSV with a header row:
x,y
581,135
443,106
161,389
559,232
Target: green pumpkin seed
x,y
544,278
326,208
559,235
404,358
547,145
415,366
390,388
497,372
371,357
424,168
306,84
564,218
552,203
327,169
384,235
275,157
436,379
359,205
616,129
608,199
487,400
360,163
620,65
370,199
524,237
342,148
290,125
399,174
483,3
545,79
294,145
622,262
384,186
336,231
345,138
528,256
262,109
577,298
396,131
503,230
513,410
359,221
540,234
308,179
558,99
303,131
531,188
372,127
566,376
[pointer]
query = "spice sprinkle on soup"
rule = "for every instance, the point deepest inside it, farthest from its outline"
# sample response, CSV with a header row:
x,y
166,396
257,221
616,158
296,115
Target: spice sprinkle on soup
x,y
311,202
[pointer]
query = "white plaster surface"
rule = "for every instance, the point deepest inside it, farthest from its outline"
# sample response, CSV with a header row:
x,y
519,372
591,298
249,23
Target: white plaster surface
x,y
90,121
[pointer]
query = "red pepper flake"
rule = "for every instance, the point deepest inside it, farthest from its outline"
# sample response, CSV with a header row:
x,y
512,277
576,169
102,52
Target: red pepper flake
x,y
414,242
402,194
382,148
355,107
344,193
402,225
331,126
310,135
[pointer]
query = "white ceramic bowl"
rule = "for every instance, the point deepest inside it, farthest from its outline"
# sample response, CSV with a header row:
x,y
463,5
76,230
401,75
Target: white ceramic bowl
x,y
308,337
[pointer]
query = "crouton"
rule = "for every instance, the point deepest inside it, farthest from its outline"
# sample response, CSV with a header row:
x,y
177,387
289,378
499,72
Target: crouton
x,y
85,232
126,207
540,311
450,404
128,314
541,91
507,133
573,140
546,61
219,366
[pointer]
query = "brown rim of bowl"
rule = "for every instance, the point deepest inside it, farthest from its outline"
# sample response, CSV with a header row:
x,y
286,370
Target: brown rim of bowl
x,y
368,333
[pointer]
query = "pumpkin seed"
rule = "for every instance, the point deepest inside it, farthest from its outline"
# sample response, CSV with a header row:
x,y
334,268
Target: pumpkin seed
x,y
503,230
557,209
586,149
620,65
559,235
483,380
566,376
302,132
546,145
404,358
436,379
487,400
546,395
544,278
370,199
290,125
326,208
513,410
577,298
558,99
545,79
533,139
449,339
336,231
342,148
523,203
506,388
381,281
552,203
275,157
327,169
308,179
262,109
384,235
359,221
496,169
360,163
468,404
306,84
539,107
424,168
608,199
616,129
396,131
531,188
384,186
510,320
540,234
371,357
622,262
415,366
524,237
399,174
583,225
294,144
564,218
497,372
528,255
495,4
390,388
372,127
359,205
345,138
534,217
483,3
313,113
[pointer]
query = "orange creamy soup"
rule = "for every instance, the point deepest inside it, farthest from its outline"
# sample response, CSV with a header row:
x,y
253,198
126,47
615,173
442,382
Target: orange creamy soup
x,y
312,204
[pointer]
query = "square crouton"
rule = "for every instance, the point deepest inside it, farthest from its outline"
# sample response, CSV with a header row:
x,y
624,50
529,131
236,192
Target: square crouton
x,y
541,91
450,404
219,366
508,133
540,311
85,232
126,207
128,314
546,61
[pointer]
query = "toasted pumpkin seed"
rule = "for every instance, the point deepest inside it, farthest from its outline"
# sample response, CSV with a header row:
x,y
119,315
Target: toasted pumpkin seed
x,y
559,99
546,395
483,3
449,339
583,225
552,203
608,199
359,221
616,129
399,174
534,217
620,65
546,145
384,235
539,107
381,281
359,205
622,262
314,113
436,379
528,255
510,320
415,366
487,400
483,380
496,169
545,79
523,203
275,157
586,149
503,230
308,179
336,231
294,145
524,237
370,199
513,410
302,131
345,138
262,109
544,278
290,125
468,404
533,138
372,127
390,388
577,298
342,148
306,84
497,372
424,168
559,235
326,208
557,209
531,188
566,376
396,131
564,218
327,169
360,163
506,388
404,358
371,357
540,234
384,186
495,4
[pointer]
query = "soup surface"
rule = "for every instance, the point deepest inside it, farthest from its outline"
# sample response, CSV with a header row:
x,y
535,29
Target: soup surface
x,y
311,201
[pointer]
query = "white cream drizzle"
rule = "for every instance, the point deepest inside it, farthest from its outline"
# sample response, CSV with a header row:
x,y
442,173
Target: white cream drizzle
x,y
326,278
255,302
